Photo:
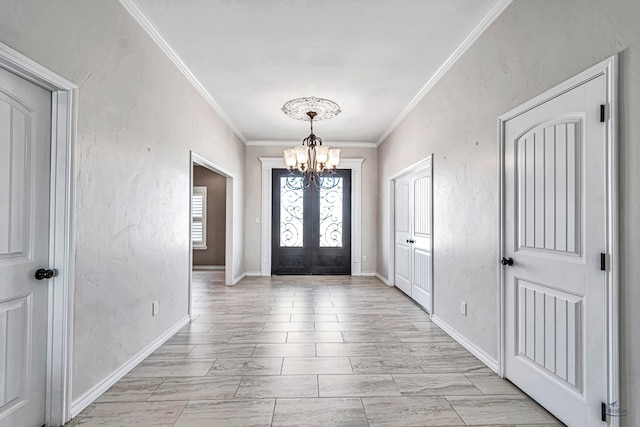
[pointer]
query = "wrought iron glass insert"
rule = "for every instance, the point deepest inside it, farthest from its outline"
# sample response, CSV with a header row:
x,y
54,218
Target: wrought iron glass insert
x,y
291,211
330,220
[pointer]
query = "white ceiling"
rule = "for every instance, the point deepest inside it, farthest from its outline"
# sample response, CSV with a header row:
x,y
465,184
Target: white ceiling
x,y
376,58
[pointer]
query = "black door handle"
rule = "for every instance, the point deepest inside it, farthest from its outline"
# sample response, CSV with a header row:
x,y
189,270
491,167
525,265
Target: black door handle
x,y
506,261
41,274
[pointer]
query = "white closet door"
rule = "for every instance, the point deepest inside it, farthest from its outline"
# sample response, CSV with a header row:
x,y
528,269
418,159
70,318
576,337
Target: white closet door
x,y
413,235
25,129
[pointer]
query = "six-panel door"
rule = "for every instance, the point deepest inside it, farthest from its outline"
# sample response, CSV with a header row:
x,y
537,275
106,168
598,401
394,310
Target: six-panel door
x,y
25,126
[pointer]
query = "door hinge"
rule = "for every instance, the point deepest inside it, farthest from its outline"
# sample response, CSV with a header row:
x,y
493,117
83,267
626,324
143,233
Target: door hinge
x,y
603,412
603,261
602,113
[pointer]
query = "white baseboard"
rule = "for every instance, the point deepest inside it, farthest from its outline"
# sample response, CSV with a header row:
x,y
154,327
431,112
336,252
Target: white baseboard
x,y
368,273
94,392
253,274
383,279
208,267
473,349
238,278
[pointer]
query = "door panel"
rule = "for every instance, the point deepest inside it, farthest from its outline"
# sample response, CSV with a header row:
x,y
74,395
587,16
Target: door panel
x,y
16,335
311,231
331,229
25,128
403,235
422,205
549,332
548,187
421,238
15,124
421,289
555,230
403,267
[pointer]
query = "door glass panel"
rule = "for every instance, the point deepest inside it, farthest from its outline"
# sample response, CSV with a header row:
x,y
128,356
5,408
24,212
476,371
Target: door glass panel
x,y
291,211
331,212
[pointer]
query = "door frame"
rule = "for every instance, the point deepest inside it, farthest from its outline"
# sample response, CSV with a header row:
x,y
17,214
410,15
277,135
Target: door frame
x,y
270,163
61,219
608,69
391,266
229,271
311,250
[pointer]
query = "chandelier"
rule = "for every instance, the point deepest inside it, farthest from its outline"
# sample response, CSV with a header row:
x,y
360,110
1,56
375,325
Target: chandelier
x,y
311,158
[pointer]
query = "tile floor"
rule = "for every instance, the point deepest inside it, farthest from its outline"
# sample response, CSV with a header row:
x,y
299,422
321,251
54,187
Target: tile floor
x,y
310,351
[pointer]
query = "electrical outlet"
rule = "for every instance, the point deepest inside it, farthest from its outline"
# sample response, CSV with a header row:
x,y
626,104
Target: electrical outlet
x,y
155,307
463,308
364,258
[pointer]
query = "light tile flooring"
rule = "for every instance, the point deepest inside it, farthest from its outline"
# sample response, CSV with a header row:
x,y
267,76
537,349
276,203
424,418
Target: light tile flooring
x,y
310,351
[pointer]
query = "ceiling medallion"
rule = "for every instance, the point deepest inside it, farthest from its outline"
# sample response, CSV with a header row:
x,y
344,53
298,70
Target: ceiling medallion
x,y
311,159
299,108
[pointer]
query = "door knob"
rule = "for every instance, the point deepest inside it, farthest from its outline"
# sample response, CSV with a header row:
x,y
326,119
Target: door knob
x,y
41,274
506,261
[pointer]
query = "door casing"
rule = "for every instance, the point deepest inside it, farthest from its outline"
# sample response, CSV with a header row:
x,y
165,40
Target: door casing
x,y
391,266
608,68
229,271
270,163
62,244
426,163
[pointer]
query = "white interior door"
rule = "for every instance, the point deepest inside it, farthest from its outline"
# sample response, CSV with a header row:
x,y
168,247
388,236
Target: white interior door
x,y
555,232
25,128
403,233
413,254
421,239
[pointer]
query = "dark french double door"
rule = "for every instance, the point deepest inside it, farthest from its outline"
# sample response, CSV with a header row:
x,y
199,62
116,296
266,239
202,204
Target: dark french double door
x,y
311,227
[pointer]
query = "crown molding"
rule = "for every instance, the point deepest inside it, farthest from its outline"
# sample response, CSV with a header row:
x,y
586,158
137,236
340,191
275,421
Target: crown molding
x,y
336,144
488,19
134,10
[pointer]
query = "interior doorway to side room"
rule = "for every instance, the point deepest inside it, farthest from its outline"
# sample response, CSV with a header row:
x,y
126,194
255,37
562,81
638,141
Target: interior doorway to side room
x,y
211,215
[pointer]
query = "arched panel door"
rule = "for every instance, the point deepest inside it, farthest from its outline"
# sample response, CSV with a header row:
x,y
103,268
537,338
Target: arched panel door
x,y
554,266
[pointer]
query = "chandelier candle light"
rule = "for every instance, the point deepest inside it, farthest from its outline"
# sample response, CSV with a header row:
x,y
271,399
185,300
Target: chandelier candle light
x,y
311,158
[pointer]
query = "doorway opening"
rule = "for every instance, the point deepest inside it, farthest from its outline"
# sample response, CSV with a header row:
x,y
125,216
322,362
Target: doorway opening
x,y
208,219
211,221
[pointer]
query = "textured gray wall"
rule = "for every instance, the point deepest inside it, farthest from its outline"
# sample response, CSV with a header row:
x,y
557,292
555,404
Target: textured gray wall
x,y
138,117
216,216
531,47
